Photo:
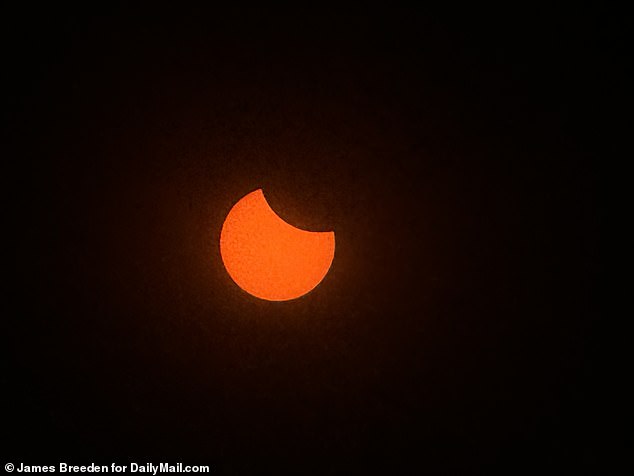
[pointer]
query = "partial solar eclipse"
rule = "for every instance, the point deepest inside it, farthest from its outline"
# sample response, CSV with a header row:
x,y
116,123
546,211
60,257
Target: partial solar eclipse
x,y
269,258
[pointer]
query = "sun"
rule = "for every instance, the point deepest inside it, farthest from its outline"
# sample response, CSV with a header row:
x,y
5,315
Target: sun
x,y
269,258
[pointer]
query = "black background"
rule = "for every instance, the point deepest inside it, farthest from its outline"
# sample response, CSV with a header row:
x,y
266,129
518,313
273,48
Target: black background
x,y
455,158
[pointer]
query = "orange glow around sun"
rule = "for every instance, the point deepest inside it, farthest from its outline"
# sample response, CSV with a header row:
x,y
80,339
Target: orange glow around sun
x,y
269,258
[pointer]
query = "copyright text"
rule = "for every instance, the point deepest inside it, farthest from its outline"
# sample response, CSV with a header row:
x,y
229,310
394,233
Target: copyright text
x,y
146,468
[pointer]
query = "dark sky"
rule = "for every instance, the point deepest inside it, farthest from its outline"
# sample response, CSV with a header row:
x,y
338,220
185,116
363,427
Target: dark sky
x,y
456,160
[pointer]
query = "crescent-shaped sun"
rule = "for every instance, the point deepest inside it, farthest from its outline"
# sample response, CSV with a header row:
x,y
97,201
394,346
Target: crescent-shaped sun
x,y
269,258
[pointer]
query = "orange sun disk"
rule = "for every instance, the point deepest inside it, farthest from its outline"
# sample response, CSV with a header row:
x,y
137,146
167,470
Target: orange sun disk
x,y
269,258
